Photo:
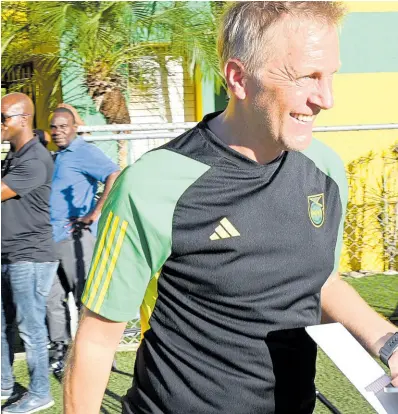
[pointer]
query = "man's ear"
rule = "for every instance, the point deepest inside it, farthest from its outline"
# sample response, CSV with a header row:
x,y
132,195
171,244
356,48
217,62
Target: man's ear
x,y
235,77
24,120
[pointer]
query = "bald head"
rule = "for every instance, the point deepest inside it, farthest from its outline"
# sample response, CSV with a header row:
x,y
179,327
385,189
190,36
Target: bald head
x,y
17,112
17,103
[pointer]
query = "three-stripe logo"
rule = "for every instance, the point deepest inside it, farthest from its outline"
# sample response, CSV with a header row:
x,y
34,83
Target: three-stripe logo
x,y
224,230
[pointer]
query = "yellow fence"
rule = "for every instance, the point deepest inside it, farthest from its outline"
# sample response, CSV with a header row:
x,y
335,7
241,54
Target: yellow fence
x,y
371,227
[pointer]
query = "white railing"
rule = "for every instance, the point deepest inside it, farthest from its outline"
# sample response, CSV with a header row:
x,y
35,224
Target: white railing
x,y
171,130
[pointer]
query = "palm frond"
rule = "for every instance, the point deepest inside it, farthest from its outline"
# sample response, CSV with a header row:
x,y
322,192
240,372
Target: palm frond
x,y
110,39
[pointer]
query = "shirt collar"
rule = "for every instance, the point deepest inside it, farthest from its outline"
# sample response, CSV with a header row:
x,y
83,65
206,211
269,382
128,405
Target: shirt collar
x,y
74,145
22,150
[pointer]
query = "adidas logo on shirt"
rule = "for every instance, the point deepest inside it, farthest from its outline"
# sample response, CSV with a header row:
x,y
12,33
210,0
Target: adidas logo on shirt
x,y
224,231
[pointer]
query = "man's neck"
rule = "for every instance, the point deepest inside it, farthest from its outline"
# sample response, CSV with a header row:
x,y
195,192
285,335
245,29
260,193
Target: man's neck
x,y
18,142
238,133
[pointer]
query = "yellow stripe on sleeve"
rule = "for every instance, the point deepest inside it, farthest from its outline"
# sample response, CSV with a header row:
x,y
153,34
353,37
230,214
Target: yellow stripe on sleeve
x,y
111,268
97,256
105,256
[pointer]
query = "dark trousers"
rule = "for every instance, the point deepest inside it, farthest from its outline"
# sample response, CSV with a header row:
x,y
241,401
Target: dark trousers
x,y
74,255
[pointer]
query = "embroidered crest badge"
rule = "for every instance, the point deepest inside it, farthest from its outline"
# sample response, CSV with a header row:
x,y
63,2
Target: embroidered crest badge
x,y
316,209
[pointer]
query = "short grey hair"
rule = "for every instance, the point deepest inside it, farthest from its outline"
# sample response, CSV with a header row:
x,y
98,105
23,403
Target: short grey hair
x,y
244,29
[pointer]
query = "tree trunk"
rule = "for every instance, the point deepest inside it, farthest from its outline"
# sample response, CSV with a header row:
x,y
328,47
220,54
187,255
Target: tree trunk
x,y
114,108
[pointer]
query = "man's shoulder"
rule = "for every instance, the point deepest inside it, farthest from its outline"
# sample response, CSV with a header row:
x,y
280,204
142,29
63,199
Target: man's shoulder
x,y
37,152
324,157
84,146
163,163
90,152
160,171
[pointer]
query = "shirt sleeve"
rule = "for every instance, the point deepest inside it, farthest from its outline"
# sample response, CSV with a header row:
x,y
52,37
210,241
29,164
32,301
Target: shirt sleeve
x,y
135,232
131,247
331,164
26,177
98,165
338,174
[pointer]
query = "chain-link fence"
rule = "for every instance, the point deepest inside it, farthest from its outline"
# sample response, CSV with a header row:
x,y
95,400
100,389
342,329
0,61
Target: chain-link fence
x,y
371,227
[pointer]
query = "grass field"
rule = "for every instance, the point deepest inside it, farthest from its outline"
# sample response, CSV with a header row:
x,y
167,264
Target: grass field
x,y
379,291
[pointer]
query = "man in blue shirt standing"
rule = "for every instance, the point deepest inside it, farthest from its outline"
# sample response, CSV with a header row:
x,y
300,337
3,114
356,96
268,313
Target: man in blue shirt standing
x,y
74,215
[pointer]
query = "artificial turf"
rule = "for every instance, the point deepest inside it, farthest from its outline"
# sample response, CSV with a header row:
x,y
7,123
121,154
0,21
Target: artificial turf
x,y
380,291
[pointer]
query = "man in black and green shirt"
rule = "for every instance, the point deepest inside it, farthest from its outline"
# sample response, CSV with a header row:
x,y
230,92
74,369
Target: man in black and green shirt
x,y
228,238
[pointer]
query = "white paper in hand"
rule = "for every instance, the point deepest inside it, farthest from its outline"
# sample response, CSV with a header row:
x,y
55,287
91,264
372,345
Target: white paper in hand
x,y
356,364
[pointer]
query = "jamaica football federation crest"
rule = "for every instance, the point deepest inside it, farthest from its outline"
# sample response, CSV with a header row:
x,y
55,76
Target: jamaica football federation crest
x,y
316,209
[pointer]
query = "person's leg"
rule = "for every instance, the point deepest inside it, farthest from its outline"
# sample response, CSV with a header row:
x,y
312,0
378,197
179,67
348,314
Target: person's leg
x,y
57,309
84,249
31,284
76,261
7,335
58,312
45,275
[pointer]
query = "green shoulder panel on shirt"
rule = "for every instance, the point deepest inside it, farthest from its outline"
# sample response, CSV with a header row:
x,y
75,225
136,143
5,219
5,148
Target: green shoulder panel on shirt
x,y
135,232
331,164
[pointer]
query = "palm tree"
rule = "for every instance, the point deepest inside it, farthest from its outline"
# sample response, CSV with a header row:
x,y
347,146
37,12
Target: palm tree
x,y
108,41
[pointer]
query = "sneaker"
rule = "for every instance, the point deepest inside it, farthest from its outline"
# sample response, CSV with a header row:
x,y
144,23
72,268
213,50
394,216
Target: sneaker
x,y
58,367
29,404
6,394
57,355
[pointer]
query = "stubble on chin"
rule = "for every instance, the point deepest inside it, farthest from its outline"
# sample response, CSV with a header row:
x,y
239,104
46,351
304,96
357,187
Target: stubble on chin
x,y
297,143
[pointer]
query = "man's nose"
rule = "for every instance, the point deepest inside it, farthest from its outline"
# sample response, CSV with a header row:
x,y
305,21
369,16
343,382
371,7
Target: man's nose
x,y
322,96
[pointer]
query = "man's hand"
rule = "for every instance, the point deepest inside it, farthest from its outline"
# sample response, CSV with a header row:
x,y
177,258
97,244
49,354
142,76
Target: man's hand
x,y
88,219
93,215
393,364
84,222
341,303
6,192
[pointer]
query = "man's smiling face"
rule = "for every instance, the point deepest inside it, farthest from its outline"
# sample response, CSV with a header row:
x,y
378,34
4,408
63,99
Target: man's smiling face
x,y
295,83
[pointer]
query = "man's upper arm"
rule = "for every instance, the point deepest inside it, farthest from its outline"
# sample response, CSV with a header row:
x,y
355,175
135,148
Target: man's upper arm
x,y
97,164
97,329
26,176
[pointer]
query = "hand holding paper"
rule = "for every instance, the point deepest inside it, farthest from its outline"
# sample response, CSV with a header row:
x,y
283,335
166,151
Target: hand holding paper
x,y
357,365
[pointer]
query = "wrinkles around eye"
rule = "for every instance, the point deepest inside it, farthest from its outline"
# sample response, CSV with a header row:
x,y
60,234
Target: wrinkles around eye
x,y
282,76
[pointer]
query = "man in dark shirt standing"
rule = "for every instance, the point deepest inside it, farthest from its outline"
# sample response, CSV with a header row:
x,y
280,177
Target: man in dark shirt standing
x,y
28,264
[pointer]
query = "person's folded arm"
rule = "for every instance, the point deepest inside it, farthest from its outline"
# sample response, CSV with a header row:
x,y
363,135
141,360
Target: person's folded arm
x,y
23,179
89,363
6,192
341,303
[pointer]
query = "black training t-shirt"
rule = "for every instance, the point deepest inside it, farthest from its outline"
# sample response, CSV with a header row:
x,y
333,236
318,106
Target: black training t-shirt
x,y
26,233
226,259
